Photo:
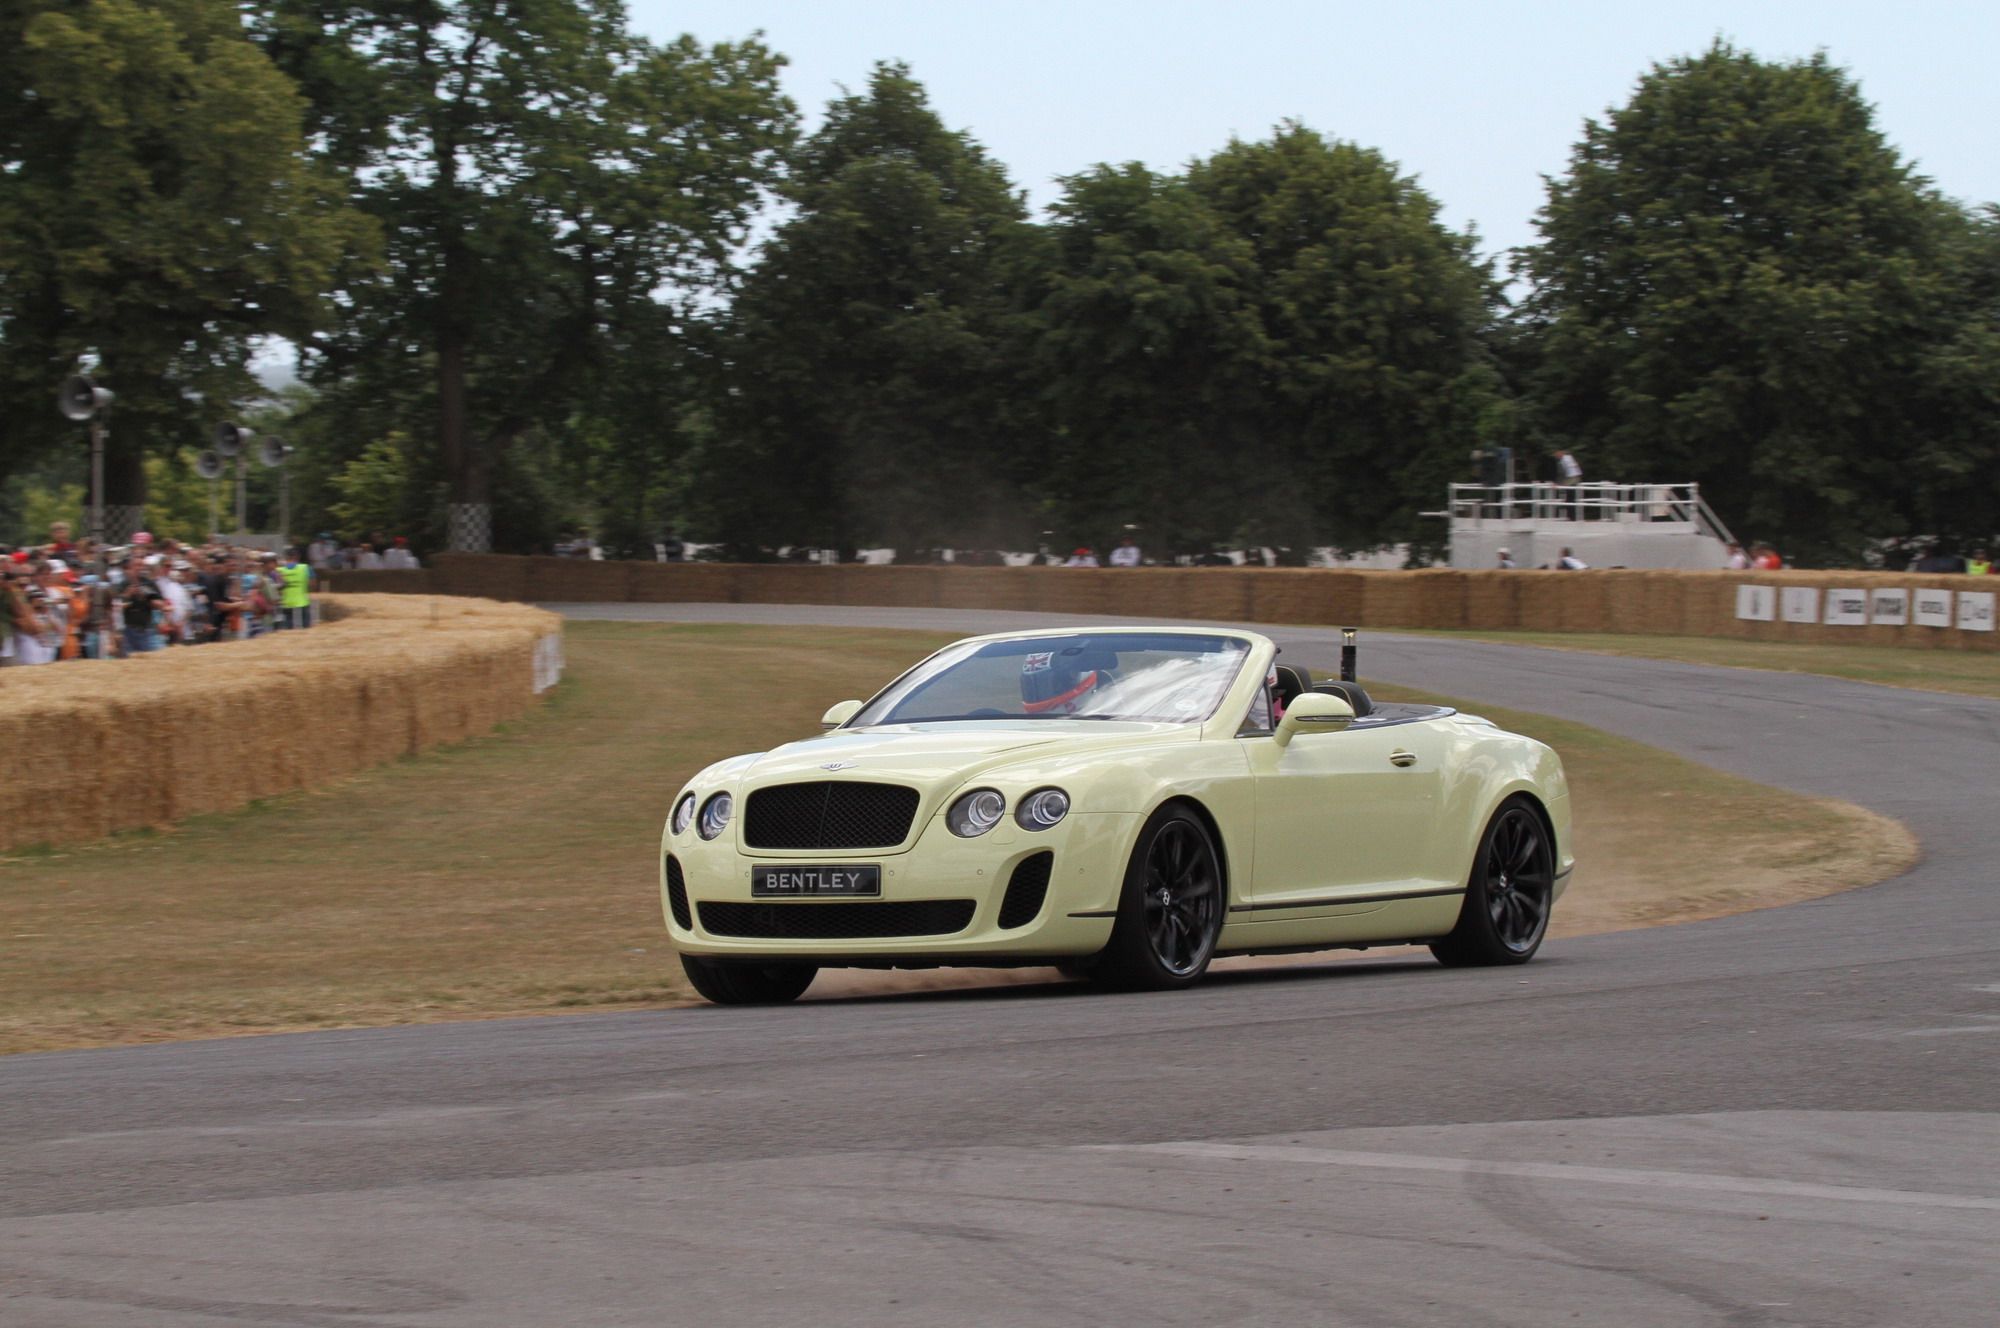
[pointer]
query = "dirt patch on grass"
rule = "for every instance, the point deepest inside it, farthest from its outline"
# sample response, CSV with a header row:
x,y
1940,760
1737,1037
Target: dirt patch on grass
x,y
514,874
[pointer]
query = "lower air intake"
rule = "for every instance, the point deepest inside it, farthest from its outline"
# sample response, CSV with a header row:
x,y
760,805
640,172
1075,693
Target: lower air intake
x,y
1026,890
837,922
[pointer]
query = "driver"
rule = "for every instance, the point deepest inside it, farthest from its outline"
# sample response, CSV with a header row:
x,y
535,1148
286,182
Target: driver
x,y
1056,683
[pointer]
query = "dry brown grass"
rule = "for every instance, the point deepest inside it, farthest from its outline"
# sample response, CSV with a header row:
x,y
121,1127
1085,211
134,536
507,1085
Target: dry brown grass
x,y
514,874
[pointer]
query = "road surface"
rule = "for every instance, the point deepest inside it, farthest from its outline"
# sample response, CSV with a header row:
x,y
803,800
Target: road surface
x,y
1787,1117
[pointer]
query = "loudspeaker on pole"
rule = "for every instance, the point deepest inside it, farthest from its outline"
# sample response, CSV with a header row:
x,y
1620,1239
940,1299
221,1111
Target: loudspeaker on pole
x,y
273,452
79,398
209,464
229,439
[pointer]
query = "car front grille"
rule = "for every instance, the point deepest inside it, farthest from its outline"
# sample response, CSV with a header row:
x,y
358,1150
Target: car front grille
x,y
1026,890
829,814
837,922
677,894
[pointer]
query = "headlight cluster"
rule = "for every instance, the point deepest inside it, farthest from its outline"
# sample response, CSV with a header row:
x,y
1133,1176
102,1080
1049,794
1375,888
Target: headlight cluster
x,y
714,818
980,810
715,815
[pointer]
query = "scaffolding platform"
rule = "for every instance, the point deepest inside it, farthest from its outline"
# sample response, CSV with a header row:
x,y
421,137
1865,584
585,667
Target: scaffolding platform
x,y
1604,524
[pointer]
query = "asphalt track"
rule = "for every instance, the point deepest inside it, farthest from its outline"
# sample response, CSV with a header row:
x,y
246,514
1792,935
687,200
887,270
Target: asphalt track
x,y
1787,1117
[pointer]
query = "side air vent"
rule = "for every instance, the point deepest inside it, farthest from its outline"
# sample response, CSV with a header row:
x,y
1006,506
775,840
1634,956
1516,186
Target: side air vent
x,y
677,894
1026,890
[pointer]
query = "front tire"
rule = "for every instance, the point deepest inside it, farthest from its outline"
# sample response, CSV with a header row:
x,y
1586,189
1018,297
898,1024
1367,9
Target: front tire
x,y
1170,910
1508,895
747,984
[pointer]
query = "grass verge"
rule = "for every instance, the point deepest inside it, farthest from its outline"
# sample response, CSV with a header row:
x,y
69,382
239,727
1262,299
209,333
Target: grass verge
x,y
1969,672
514,874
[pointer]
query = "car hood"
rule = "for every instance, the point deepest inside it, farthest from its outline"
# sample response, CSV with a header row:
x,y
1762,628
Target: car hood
x,y
946,752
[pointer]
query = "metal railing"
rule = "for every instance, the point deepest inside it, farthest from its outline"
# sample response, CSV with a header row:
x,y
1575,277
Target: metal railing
x,y
1512,504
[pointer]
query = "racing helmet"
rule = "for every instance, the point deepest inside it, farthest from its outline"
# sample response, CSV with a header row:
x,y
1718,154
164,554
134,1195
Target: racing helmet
x,y
1059,680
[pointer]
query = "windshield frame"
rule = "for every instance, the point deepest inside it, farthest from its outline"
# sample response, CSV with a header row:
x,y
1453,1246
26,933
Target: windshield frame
x,y
906,685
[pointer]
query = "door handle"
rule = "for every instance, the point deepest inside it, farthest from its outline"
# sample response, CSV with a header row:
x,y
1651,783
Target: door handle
x,y
1403,758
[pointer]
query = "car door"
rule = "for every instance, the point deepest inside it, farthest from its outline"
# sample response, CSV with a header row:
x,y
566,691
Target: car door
x,y
1343,818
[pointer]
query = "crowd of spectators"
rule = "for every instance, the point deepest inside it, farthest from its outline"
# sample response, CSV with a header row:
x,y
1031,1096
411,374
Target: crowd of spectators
x,y
377,553
58,601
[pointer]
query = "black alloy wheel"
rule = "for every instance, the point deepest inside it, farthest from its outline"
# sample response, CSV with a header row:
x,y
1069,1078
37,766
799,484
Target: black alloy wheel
x,y
1509,894
747,983
1170,912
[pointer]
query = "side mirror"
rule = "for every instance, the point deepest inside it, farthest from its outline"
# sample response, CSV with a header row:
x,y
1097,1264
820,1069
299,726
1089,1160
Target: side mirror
x,y
1314,712
838,713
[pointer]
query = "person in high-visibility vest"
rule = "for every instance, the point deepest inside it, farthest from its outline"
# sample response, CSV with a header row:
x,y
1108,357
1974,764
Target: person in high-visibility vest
x,y
295,600
1979,564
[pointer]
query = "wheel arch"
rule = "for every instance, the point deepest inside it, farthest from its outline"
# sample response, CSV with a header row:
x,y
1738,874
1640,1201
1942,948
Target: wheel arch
x,y
1208,823
1529,795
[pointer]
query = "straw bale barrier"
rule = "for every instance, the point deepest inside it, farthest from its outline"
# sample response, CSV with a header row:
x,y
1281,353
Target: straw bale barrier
x,y
147,741
1652,603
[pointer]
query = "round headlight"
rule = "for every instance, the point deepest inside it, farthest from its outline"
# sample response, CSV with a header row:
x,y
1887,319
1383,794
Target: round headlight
x,y
1042,809
976,813
683,814
715,815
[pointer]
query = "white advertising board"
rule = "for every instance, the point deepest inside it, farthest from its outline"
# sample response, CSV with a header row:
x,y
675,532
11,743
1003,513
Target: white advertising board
x,y
1847,608
1933,608
1975,610
1889,608
1801,604
1756,603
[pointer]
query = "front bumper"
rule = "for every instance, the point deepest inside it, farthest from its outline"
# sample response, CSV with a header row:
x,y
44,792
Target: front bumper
x,y
1087,872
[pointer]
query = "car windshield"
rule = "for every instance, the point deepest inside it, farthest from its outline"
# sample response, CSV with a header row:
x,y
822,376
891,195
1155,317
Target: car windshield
x,y
1157,676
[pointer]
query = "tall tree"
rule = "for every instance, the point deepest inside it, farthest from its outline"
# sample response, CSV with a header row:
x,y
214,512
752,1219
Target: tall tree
x,y
547,181
1145,353
1369,369
1740,282
866,368
158,208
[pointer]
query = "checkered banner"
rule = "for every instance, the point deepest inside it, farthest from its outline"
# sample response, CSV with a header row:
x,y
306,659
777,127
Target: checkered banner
x,y
469,527
122,521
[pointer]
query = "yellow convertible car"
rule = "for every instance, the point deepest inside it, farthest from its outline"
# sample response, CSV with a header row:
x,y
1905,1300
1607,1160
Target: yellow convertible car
x,y
1123,803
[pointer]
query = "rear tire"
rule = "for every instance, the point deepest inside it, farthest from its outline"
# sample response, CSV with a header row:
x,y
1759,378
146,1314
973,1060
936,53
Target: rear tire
x,y
1508,893
1170,910
747,984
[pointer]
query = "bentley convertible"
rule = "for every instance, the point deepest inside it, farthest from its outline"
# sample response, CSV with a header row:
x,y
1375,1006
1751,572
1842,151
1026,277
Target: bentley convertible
x,y
1125,804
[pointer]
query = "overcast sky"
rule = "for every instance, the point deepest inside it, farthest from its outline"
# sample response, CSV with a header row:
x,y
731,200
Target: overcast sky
x,y
1479,100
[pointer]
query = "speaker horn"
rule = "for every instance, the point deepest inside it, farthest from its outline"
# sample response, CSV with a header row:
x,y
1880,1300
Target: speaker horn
x,y
209,464
229,440
274,452
79,398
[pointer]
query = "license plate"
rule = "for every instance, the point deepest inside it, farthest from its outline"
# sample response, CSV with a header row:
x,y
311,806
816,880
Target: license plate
x,y
790,882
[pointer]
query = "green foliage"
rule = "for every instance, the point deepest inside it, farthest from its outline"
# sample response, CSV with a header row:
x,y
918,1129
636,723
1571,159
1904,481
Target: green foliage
x,y
554,188
867,391
1740,282
378,489
42,506
159,208
1281,348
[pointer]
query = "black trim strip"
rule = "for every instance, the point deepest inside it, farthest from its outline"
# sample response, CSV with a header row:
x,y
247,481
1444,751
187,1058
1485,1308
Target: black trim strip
x,y
1098,913
1348,899
1565,871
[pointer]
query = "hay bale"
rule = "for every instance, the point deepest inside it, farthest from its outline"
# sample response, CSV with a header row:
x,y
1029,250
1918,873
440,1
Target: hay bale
x,y
1492,601
183,731
1304,596
1217,594
1389,599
